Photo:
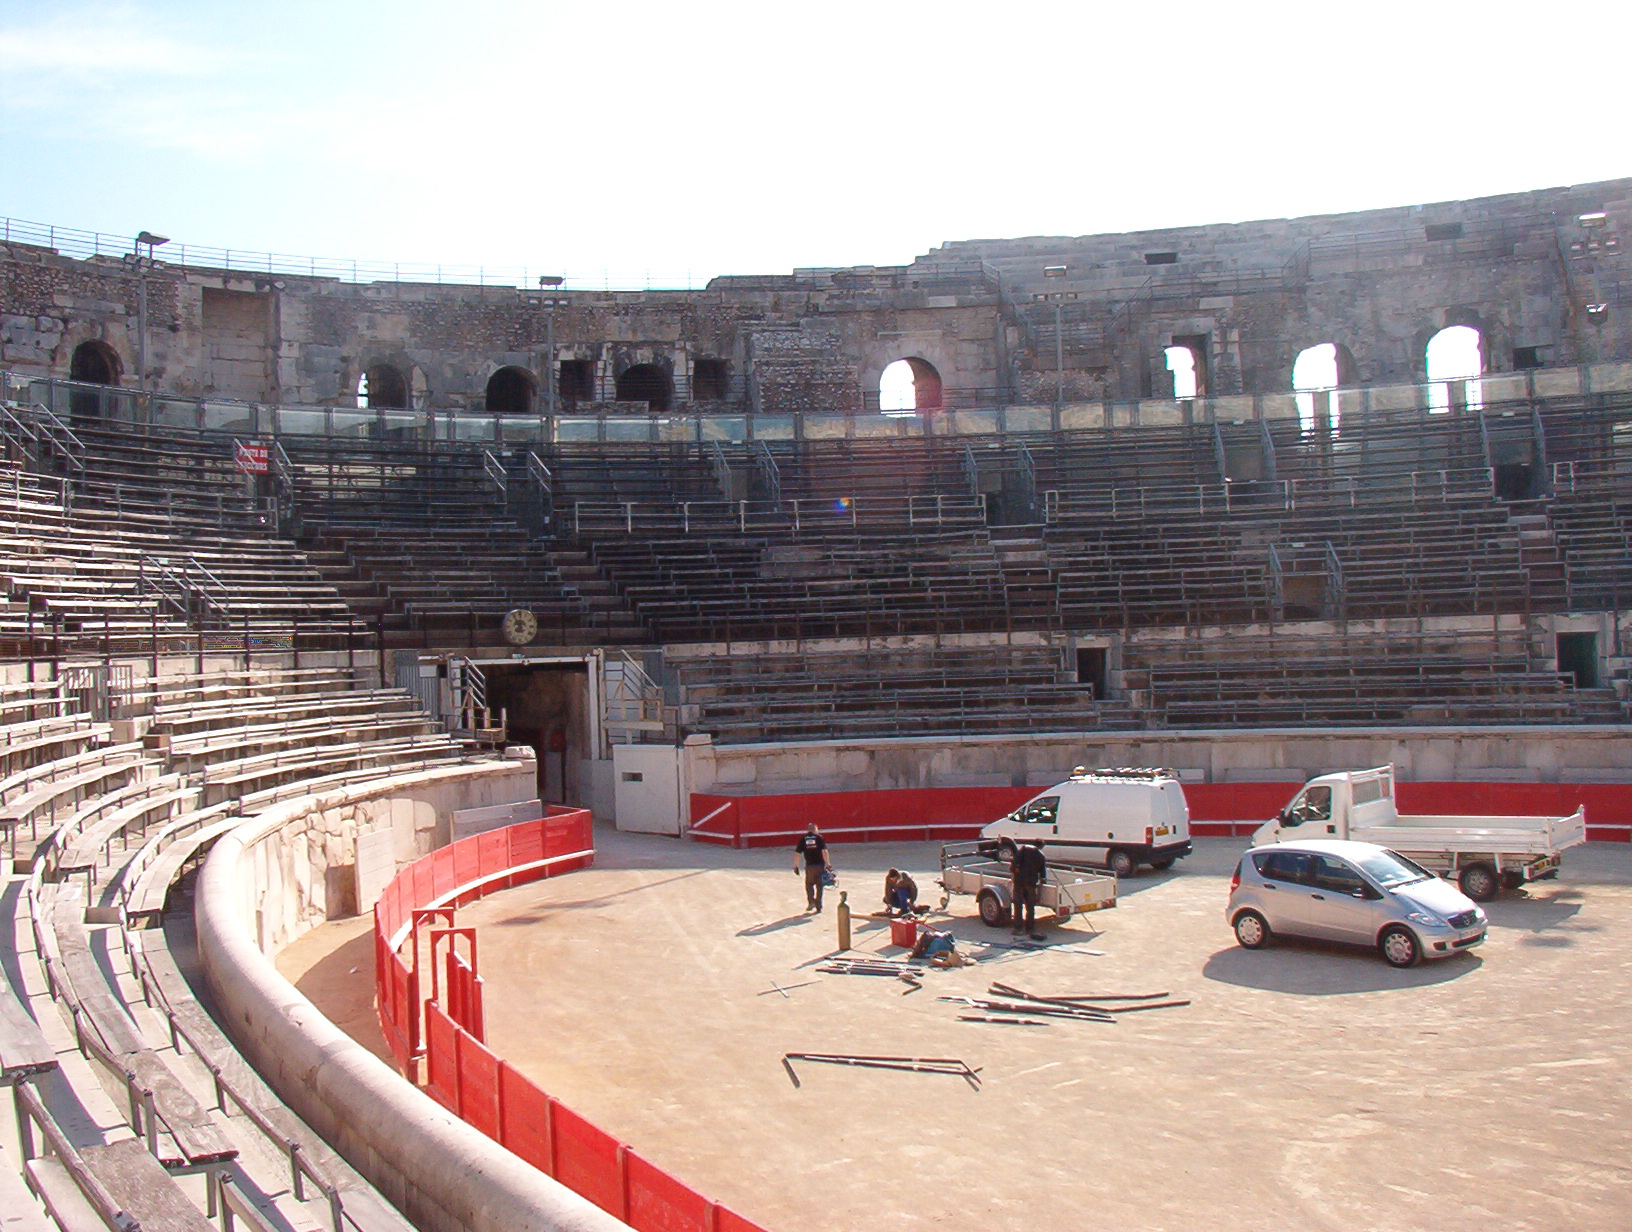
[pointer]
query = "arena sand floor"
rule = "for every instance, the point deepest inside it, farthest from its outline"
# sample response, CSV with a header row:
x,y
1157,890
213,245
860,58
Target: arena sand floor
x,y
1304,1087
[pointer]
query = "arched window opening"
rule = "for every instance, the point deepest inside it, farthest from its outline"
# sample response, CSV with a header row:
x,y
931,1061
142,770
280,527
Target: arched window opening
x,y
419,389
92,363
1454,363
1314,382
645,383
382,386
1181,362
95,363
510,392
910,385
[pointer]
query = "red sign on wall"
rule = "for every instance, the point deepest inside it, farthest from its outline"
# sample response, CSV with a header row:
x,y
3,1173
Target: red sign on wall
x,y
251,459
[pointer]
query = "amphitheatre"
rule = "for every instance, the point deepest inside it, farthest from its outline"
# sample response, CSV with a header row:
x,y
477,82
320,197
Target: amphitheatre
x,y
414,681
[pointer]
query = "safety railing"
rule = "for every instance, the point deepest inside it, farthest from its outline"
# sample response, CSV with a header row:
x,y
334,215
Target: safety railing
x,y
704,517
467,1077
450,427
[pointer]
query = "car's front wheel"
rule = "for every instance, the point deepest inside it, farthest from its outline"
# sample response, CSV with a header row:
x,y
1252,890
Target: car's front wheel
x,y
1122,863
1399,946
1251,930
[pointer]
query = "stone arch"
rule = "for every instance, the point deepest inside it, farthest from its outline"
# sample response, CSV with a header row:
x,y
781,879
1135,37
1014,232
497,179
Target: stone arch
x,y
382,385
1318,372
1454,360
95,363
511,390
648,383
911,383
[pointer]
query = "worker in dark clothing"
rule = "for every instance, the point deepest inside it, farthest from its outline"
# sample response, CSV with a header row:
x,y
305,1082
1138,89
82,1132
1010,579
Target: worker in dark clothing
x,y
1027,870
813,847
900,893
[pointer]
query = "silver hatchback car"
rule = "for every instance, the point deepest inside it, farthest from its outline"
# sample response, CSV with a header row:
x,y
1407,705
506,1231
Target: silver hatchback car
x,y
1360,893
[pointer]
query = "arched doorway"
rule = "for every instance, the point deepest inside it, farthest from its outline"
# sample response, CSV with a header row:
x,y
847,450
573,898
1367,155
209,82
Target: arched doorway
x,y
1455,361
1317,374
92,363
382,385
908,385
510,391
646,383
1181,362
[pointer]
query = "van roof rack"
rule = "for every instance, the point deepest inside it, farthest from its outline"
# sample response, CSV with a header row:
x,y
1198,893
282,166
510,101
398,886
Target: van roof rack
x,y
1143,774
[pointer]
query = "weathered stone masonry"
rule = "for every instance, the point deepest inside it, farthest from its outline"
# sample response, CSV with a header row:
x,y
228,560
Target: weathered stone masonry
x,y
1542,275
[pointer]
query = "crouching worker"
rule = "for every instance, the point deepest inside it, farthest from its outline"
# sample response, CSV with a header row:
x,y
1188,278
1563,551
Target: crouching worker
x,y
900,893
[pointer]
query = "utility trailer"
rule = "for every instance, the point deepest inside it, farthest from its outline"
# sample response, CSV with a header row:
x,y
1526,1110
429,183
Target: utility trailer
x,y
969,868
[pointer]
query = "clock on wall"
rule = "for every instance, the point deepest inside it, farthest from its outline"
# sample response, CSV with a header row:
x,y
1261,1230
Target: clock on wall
x,y
520,626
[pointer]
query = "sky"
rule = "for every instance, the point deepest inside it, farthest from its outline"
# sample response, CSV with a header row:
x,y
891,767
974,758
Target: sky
x,y
661,144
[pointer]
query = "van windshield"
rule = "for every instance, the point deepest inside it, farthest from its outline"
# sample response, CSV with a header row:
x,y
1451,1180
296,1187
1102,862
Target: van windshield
x,y
1389,869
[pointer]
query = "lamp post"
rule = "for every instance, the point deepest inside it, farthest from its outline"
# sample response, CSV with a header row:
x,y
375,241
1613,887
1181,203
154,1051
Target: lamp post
x,y
1057,271
546,282
150,241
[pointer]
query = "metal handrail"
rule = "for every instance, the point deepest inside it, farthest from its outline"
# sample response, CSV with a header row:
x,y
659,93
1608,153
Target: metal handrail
x,y
494,470
770,473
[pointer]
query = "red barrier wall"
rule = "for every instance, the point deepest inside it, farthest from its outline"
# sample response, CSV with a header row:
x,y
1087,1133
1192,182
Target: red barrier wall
x,y
950,813
467,1078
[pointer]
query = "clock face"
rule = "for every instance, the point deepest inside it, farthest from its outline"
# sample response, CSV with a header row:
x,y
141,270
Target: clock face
x,y
520,626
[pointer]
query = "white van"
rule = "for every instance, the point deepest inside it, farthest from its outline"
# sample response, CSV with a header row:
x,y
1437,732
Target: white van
x,y
1118,818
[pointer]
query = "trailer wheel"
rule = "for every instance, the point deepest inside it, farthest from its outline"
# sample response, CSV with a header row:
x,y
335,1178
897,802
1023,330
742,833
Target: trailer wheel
x,y
1479,882
1399,946
1121,862
993,913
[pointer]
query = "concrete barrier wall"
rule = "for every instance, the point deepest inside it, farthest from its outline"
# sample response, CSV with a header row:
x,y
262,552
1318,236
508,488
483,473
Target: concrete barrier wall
x,y
1563,754
266,883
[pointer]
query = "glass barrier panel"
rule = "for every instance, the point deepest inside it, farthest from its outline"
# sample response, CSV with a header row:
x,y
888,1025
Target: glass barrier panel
x,y
403,425
577,429
302,423
471,428
169,413
826,427
1233,408
724,428
969,423
229,417
1284,406
1607,377
773,427
359,425
628,428
1028,419
1081,417
523,428
680,429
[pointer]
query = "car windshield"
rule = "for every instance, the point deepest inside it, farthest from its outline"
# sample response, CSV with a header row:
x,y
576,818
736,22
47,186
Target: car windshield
x,y
1389,869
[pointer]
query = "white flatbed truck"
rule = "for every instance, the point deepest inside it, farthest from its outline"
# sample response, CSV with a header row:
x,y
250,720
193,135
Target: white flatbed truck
x,y
968,868
1483,854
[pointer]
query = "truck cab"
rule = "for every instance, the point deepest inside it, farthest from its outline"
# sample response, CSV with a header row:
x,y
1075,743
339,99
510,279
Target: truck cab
x,y
1329,805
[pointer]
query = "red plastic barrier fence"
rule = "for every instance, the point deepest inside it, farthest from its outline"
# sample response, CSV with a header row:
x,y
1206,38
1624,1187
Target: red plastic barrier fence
x,y
466,1077
588,1160
923,814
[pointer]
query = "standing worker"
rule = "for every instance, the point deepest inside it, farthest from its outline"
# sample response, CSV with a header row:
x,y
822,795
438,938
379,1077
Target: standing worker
x,y
1028,869
813,847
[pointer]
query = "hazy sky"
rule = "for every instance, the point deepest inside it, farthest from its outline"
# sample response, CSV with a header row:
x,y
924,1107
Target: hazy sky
x,y
755,138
